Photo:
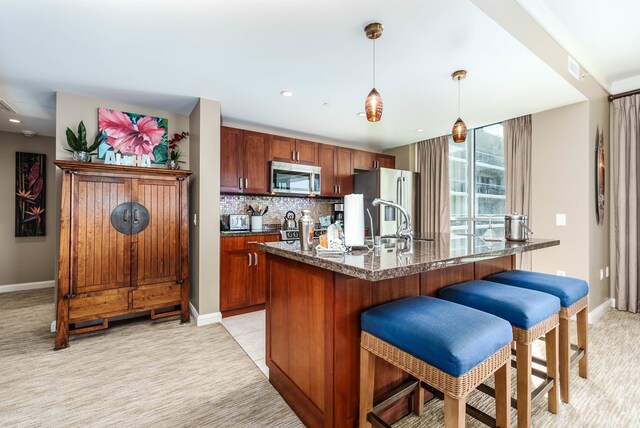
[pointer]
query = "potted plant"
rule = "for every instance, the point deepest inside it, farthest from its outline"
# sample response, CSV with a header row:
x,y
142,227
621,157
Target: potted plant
x,y
81,150
174,154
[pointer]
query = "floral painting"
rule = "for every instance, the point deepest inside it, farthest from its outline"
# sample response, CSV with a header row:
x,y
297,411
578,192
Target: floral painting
x,y
30,194
133,134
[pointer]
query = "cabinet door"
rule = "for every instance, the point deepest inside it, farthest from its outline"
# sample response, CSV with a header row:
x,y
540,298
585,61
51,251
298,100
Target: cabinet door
x,y
230,160
259,283
155,250
326,160
344,170
306,152
100,256
281,149
255,162
235,274
386,161
364,160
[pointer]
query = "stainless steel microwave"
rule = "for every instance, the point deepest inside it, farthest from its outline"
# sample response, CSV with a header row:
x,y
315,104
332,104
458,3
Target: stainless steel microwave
x,y
294,179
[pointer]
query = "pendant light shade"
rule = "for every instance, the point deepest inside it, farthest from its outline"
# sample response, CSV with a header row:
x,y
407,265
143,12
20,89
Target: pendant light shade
x,y
373,103
373,106
459,131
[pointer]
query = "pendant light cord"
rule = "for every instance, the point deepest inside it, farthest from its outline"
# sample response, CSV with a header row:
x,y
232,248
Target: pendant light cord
x,y
374,63
458,97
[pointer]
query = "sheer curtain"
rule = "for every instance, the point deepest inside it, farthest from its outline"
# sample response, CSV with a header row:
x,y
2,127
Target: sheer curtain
x,y
626,149
517,172
433,166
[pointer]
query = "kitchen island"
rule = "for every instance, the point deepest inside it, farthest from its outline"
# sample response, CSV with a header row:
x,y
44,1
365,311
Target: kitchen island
x,y
313,309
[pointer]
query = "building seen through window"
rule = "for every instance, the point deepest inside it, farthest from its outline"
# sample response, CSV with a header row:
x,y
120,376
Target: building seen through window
x,y
477,183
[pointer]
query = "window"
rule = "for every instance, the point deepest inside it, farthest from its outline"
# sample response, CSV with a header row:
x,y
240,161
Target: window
x,y
476,181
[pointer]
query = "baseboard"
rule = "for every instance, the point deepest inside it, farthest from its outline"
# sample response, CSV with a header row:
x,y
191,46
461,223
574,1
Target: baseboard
x,y
600,310
27,286
205,319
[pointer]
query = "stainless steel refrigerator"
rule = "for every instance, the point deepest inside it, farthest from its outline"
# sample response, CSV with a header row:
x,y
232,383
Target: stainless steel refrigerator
x,y
401,187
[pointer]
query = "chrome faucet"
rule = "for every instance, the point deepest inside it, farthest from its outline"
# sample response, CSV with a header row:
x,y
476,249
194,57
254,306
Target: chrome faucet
x,y
404,231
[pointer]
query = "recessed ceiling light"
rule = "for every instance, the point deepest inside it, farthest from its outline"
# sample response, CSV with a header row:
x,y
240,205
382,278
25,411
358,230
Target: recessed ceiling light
x,y
14,120
286,93
362,114
419,129
326,104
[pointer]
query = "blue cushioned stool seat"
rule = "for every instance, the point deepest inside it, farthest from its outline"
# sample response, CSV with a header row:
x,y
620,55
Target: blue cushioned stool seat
x,y
568,290
521,307
450,337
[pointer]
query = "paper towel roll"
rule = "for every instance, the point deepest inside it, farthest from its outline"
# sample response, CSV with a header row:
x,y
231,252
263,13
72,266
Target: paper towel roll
x,y
354,220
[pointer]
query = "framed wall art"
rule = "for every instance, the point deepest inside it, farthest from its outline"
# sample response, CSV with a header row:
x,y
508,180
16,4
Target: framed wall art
x,y
133,134
31,181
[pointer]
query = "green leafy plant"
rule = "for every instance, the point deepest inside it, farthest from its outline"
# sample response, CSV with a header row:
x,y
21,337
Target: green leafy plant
x,y
79,143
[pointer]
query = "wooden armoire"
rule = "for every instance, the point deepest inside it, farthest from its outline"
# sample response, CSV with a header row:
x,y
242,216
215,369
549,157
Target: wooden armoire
x,y
124,245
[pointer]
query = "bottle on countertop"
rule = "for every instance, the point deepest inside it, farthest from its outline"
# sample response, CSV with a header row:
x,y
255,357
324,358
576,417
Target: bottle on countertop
x,y
305,230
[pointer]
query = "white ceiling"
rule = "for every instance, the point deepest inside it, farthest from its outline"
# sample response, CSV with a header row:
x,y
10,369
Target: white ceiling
x,y
164,54
603,36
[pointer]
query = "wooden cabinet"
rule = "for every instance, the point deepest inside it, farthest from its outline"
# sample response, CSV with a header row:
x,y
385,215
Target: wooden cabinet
x,y
243,161
123,244
337,170
284,149
242,274
367,160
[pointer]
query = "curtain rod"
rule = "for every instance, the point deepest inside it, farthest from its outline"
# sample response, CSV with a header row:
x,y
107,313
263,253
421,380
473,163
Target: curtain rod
x,y
624,94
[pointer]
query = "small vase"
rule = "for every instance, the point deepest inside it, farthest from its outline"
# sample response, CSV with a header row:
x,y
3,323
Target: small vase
x,y
81,156
173,164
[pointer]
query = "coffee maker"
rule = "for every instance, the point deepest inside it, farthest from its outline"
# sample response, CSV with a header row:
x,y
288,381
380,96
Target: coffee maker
x,y
337,213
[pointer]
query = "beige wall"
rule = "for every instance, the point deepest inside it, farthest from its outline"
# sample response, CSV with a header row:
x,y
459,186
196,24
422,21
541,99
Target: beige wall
x,y
563,182
204,192
405,157
28,259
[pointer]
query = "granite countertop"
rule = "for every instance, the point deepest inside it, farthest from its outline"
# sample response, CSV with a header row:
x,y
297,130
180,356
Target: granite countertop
x,y
395,260
233,233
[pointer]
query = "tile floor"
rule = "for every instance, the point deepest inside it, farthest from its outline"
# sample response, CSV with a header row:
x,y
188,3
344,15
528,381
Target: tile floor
x,y
249,331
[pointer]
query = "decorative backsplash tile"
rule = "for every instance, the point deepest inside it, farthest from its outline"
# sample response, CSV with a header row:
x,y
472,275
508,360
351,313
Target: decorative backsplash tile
x,y
278,206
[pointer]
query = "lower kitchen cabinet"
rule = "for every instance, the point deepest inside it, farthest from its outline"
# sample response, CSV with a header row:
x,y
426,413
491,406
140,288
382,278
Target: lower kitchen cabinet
x,y
242,274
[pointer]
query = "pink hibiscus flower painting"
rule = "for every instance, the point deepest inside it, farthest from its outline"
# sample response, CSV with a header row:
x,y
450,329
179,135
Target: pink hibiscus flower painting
x,y
133,134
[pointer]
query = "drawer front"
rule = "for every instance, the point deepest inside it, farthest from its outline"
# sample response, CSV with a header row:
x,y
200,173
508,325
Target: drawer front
x,y
156,296
94,305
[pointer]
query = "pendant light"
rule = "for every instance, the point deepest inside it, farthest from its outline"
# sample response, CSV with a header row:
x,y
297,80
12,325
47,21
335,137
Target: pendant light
x,y
459,130
373,103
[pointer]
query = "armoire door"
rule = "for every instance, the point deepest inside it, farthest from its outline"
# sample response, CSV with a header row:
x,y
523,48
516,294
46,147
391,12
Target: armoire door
x,y
155,257
100,255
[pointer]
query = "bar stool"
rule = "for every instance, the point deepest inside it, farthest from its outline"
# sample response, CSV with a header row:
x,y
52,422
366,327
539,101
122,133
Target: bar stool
x,y
448,347
531,314
574,300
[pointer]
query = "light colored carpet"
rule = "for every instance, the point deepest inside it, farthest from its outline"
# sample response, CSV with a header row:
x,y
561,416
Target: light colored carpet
x,y
143,374
162,374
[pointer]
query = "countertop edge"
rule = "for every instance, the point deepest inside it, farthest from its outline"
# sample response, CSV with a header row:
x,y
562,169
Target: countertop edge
x,y
366,274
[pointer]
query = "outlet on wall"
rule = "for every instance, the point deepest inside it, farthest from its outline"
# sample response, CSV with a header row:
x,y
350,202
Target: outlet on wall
x,y
561,273
606,271
561,219
601,273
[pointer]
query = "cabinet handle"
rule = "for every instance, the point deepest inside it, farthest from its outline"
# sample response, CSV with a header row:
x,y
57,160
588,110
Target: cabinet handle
x,y
252,242
125,216
246,183
256,262
297,156
250,262
240,183
293,155
338,188
135,217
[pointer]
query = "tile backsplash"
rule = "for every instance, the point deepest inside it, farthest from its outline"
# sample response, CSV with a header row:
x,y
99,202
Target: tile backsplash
x,y
278,206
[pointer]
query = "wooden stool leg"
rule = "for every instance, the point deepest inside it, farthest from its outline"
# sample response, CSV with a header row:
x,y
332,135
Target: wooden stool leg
x,y
367,375
503,395
564,360
551,345
582,341
418,400
523,360
454,412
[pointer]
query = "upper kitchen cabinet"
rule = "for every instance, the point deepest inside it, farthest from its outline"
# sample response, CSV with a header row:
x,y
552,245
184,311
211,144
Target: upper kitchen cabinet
x,y
286,149
327,162
243,161
367,160
344,170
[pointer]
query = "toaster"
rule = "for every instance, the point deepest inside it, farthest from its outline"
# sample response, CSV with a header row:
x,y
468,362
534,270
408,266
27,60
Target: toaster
x,y
239,222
